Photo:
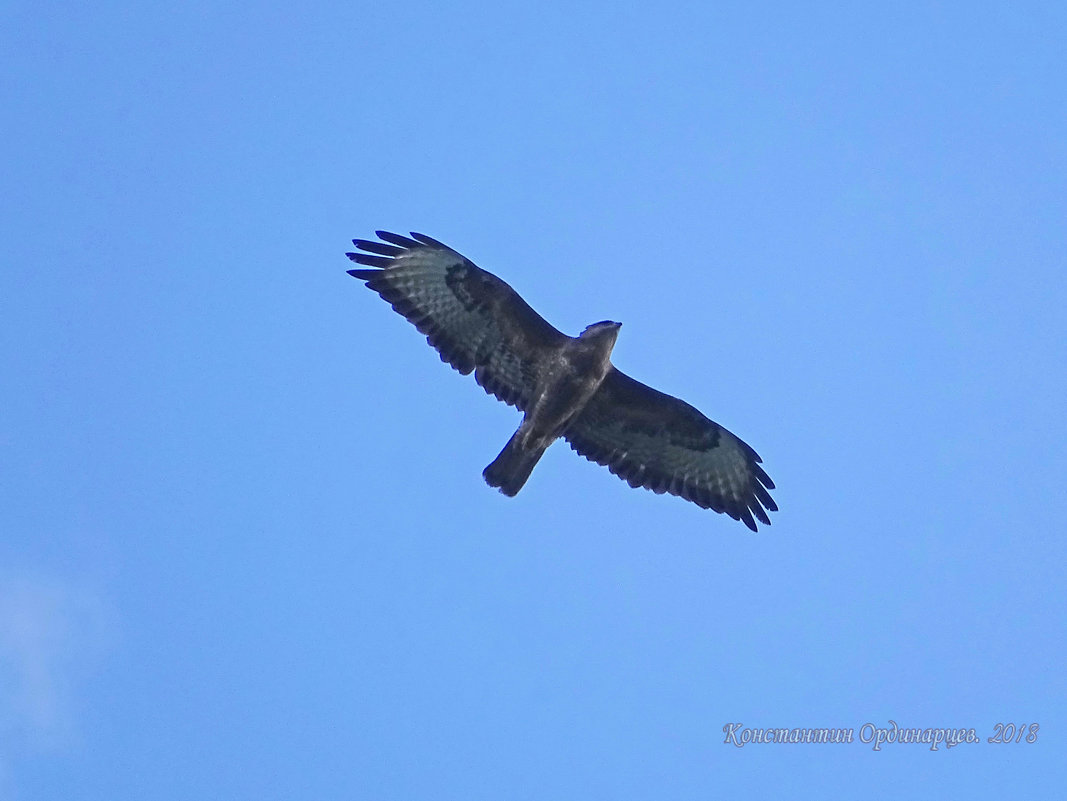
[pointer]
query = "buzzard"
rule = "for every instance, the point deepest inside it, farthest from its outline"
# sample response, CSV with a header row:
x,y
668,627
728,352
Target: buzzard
x,y
565,386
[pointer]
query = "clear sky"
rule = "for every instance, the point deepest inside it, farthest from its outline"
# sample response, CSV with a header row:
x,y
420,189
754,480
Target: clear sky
x,y
245,546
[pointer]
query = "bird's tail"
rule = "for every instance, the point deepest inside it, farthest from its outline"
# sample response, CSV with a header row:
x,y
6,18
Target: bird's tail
x,y
512,467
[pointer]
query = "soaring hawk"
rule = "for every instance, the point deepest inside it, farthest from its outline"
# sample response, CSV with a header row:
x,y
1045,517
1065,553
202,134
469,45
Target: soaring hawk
x,y
565,386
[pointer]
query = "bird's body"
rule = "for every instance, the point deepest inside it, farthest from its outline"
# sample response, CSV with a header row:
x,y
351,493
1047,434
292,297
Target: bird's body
x,y
565,386
561,393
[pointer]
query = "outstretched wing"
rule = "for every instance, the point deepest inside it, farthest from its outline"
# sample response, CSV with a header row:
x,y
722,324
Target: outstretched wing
x,y
474,320
659,442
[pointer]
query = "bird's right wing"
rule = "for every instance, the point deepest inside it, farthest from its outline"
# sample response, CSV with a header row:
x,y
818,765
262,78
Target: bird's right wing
x,y
653,440
474,320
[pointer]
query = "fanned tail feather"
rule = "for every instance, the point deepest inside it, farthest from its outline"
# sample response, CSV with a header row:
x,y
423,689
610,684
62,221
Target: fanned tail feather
x,y
510,470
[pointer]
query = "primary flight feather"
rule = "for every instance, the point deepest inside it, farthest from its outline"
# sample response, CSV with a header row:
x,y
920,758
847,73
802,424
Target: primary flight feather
x,y
565,386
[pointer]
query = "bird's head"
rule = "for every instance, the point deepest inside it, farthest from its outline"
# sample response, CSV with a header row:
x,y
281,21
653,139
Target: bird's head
x,y
605,329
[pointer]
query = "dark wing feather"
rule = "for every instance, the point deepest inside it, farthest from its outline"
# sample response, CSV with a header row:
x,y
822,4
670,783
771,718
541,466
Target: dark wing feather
x,y
474,320
659,442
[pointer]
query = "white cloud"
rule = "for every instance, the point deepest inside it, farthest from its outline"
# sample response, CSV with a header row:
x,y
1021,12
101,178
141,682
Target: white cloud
x,y
50,637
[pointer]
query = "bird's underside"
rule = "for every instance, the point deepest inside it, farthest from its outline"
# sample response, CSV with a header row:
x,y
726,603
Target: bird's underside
x,y
565,386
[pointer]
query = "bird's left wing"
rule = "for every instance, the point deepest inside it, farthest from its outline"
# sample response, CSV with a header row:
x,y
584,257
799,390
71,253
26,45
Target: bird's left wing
x,y
474,320
653,440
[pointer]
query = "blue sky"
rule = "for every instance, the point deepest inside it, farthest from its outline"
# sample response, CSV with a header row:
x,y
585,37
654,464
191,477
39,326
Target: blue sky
x,y
246,548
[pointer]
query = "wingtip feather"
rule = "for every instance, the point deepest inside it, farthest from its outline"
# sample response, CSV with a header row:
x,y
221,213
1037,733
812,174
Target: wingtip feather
x,y
746,518
429,241
396,239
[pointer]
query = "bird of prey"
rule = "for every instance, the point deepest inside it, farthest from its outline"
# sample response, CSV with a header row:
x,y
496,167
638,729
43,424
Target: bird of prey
x,y
564,386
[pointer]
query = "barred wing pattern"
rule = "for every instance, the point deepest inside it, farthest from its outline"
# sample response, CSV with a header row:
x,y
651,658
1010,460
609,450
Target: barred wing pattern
x,y
474,320
653,440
